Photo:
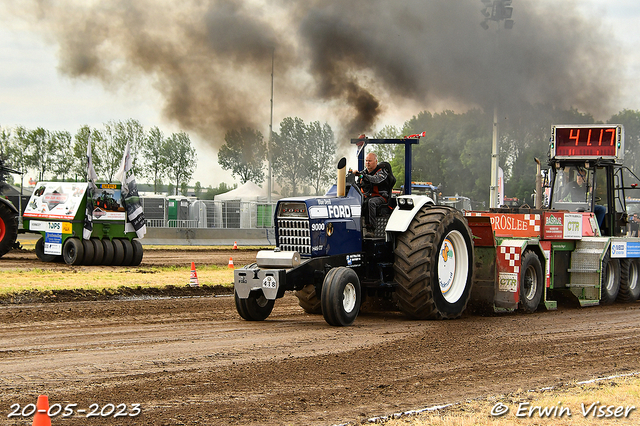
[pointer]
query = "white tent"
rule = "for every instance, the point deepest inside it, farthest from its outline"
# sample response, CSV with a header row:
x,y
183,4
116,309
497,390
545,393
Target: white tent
x,y
247,192
245,207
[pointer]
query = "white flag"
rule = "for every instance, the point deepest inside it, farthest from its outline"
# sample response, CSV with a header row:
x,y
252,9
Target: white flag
x,y
91,179
91,172
125,166
131,200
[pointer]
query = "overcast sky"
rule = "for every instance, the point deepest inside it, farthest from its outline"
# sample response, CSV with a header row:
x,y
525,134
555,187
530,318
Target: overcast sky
x,y
35,92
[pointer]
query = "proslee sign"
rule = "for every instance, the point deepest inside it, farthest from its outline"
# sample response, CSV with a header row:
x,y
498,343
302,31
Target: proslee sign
x,y
513,225
551,225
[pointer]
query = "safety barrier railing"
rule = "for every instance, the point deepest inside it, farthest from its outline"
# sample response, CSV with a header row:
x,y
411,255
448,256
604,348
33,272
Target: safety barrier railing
x,y
178,223
155,223
235,214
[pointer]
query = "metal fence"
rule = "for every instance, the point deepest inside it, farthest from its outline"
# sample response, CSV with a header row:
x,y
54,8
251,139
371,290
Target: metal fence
x,y
192,213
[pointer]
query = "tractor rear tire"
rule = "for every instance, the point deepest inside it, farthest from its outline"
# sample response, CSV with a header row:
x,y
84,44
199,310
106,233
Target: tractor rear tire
x,y
40,252
434,265
8,228
341,296
610,285
308,299
255,308
629,285
531,282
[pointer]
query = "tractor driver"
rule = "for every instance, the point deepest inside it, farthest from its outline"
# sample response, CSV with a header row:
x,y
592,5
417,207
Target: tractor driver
x,y
374,185
578,190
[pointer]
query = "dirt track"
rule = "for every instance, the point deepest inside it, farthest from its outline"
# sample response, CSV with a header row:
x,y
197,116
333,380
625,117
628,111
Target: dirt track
x,y
27,259
193,361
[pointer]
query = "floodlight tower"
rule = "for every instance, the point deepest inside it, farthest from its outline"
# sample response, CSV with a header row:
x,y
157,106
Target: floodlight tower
x,y
496,11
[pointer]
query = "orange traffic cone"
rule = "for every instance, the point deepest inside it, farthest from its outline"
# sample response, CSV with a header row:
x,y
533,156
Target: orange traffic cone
x,y
235,245
41,417
231,262
193,281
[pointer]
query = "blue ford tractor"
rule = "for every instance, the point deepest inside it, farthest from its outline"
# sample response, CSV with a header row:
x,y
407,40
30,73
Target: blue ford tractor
x,y
420,255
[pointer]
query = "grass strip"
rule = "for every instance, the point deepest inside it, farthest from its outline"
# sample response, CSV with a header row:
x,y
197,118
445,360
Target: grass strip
x,y
614,400
110,278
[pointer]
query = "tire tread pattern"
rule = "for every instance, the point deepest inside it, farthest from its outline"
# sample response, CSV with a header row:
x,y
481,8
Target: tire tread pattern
x,y
607,297
629,291
332,295
308,299
416,261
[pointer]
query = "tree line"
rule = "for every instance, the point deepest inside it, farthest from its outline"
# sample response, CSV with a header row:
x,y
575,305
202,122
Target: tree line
x,y
59,155
302,155
456,151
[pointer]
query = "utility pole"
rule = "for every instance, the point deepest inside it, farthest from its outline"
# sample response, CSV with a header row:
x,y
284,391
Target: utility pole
x,y
497,11
270,140
495,161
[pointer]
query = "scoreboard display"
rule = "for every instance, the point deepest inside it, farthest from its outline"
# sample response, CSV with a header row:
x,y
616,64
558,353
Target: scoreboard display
x,y
590,141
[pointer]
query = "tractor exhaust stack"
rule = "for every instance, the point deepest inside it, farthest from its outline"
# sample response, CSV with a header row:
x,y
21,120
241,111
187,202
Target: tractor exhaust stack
x,y
342,177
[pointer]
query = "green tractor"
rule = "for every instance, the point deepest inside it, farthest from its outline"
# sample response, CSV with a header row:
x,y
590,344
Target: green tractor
x,y
57,211
9,216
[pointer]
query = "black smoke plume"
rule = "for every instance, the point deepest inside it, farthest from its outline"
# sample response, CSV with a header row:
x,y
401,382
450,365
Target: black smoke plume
x,y
349,60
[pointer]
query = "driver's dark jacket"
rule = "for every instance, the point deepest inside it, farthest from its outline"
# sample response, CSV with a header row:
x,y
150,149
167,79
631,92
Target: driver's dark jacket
x,y
375,184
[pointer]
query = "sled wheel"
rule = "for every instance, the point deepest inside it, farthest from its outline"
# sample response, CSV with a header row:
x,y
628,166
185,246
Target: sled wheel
x,y
308,300
40,252
107,247
138,252
255,308
118,252
98,251
341,297
629,286
610,285
88,252
434,264
128,252
73,251
531,282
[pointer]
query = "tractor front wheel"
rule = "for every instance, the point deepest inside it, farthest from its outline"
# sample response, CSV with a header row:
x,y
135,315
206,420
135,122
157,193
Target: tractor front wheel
x,y
341,297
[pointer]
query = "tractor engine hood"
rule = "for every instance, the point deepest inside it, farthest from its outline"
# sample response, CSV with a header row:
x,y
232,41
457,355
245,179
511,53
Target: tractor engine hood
x,y
320,226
